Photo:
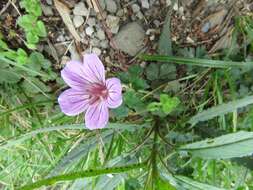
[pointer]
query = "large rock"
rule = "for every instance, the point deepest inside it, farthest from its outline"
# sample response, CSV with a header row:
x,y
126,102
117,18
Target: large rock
x,y
130,38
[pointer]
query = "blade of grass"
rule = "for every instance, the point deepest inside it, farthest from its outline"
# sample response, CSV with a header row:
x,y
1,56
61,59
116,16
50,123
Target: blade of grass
x,y
83,174
195,61
24,68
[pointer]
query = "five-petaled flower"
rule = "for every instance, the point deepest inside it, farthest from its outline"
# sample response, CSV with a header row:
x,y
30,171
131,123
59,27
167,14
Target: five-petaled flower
x,y
89,91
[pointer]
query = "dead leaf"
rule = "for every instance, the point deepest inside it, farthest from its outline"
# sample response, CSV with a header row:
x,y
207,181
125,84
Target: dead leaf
x,y
65,15
224,42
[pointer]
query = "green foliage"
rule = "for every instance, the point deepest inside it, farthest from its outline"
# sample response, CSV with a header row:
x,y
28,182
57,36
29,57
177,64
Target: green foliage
x,y
34,28
133,76
196,61
221,110
227,146
167,104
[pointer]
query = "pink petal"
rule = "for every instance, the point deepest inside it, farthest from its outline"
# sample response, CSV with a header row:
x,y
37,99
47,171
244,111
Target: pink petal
x,y
73,102
97,116
114,87
73,74
94,68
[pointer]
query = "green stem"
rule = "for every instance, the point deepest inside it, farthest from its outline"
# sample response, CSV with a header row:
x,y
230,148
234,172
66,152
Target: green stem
x,y
82,174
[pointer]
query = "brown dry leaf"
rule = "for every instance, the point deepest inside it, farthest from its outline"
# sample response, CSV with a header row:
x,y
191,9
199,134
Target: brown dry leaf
x,y
224,42
65,15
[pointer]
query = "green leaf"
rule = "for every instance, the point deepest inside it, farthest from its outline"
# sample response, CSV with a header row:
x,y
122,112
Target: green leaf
x,y
196,61
152,71
27,22
168,103
32,38
120,112
164,44
138,83
154,106
80,151
83,174
161,184
221,110
34,85
185,183
22,138
24,68
32,7
124,77
232,145
9,76
3,45
132,100
167,71
37,61
135,70
22,56
41,29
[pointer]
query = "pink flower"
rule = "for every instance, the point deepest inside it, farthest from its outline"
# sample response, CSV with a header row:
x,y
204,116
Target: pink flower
x,y
89,91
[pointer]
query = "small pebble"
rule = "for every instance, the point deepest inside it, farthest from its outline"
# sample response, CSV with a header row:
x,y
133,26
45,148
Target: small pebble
x,y
175,7
145,4
47,10
101,34
96,51
91,21
135,8
111,6
157,23
94,42
140,15
113,23
89,30
80,9
78,21
49,2
104,44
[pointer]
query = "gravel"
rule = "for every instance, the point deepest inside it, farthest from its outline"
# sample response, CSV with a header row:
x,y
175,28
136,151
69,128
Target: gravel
x,y
130,38
80,9
89,30
96,51
91,21
101,34
136,8
47,10
78,21
111,6
113,23
145,4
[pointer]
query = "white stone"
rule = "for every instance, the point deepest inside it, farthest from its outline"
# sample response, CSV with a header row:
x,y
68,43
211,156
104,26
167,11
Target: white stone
x,y
175,7
91,21
140,15
49,2
111,6
168,3
113,23
80,9
130,38
89,30
101,34
145,4
96,51
78,21
104,44
135,8
94,42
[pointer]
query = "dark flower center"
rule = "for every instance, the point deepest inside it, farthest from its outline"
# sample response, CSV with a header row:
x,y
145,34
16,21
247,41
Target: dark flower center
x,y
97,93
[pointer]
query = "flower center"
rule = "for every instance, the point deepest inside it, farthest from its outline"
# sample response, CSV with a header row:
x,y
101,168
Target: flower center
x,y
97,93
